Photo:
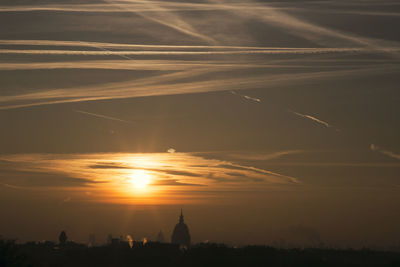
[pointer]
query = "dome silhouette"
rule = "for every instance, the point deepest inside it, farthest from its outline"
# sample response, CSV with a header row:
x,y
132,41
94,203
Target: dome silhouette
x,y
181,235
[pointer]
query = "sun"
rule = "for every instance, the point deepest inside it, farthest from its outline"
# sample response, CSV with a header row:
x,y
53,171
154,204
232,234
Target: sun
x,y
140,179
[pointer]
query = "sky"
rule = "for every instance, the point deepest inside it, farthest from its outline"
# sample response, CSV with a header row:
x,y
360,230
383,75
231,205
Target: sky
x,y
268,122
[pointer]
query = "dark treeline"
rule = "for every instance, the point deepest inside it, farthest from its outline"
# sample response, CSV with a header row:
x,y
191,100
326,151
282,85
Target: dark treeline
x,y
162,254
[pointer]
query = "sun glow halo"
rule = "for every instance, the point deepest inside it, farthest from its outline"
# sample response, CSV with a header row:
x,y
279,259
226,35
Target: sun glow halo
x,y
140,179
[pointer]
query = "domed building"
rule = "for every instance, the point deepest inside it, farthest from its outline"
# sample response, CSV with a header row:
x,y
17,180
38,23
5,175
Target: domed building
x,y
181,234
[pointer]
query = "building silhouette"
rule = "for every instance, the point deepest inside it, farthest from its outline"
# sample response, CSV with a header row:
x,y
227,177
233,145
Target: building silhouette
x,y
181,235
62,238
160,237
92,240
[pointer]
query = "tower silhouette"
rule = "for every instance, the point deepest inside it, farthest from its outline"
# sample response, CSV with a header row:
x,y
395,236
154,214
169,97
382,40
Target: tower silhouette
x,y
181,234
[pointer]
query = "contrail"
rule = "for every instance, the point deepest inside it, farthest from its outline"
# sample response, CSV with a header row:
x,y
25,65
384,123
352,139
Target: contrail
x,y
146,87
158,46
101,116
104,49
11,186
312,118
167,19
105,52
385,152
313,32
262,171
247,97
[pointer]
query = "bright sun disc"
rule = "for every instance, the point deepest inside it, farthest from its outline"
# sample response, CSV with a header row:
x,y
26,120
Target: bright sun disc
x,y
140,179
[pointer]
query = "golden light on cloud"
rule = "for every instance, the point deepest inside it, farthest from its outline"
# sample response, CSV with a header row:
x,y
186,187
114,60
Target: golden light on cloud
x,y
142,178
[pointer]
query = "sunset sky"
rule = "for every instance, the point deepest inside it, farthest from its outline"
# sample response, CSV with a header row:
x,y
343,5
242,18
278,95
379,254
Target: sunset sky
x,y
263,120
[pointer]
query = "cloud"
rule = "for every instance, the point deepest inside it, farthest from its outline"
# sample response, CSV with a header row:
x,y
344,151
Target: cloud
x,y
168,84
311,31
166,18
270,175
141,65
384,151
11,186
137,47
126,53
262,156
177,177
194,72
246,156
25,178
124,50
173,182
374,147
169,14
108,166
178,173
114,169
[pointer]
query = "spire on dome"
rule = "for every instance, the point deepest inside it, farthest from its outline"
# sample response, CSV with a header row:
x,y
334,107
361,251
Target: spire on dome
x,y
181,235
181,217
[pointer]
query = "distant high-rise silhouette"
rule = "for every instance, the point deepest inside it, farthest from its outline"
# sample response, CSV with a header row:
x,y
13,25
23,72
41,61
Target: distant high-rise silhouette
x,y
160,237
63,238
92,240
181,234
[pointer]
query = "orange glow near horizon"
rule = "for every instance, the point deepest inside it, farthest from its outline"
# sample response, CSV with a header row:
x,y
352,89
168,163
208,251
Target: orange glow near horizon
x,y
152,178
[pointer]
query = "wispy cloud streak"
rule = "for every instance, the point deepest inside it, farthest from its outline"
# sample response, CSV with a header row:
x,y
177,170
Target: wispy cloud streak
x,y
167,19
108,176
310,31
268,51
159,86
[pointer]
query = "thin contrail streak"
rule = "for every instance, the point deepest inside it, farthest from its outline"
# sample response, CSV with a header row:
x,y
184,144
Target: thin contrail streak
x,y
176,23
247,97
158,46
104,49
144,87
384,151
11,186
102,116
153,53
258,170
312,118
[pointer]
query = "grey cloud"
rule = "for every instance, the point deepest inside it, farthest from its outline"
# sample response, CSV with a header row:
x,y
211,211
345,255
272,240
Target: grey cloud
x,y
173,182
166,18
162,171
250,169
26,179
158,86
108,166
177,172
265,51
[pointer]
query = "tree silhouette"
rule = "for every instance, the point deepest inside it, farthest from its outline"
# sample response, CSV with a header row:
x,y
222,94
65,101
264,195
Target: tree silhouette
x,y
63,238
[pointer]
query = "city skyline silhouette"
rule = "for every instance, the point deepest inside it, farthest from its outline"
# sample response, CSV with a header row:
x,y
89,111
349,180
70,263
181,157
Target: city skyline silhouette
x,y
188,127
